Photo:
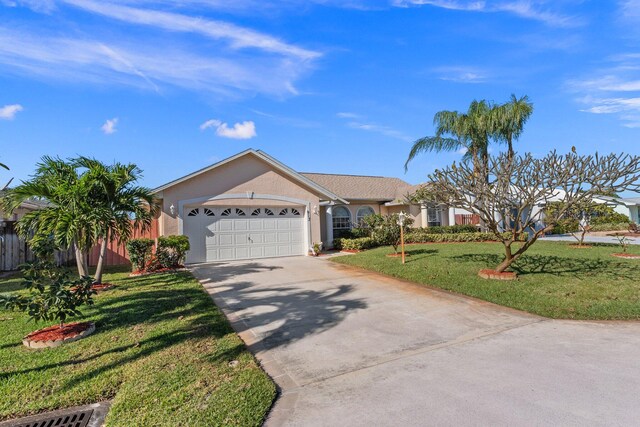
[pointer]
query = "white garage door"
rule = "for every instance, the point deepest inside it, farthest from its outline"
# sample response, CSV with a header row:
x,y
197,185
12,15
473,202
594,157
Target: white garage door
x,y
231,233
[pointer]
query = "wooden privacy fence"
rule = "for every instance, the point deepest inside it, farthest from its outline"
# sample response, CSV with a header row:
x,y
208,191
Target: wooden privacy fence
x,y
15,251
117,254
467,219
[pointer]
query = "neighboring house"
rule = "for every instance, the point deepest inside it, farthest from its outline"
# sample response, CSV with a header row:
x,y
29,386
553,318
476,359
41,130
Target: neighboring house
x,y
627,206
253,206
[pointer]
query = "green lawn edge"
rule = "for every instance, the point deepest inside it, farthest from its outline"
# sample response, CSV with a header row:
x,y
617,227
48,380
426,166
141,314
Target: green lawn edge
x,y
554,280
161,352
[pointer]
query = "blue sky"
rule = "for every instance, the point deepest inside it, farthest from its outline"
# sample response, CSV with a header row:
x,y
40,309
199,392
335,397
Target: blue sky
x,y
323,85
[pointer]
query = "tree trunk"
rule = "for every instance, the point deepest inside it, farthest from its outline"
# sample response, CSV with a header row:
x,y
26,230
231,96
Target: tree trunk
x,y
508,259
80,261
101,258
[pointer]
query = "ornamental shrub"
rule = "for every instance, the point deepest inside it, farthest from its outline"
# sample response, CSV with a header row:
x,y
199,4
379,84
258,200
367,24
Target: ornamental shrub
x,y
622,226
358,244
385,230
140,251
53,294
171,251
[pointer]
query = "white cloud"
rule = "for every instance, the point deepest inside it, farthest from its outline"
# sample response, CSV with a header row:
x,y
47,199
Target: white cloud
x,y
109,126
346,115
461,74
528,9
8,112
244,130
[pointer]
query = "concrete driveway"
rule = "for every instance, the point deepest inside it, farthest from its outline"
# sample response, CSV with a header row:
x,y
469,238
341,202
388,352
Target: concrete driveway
x,y
352,348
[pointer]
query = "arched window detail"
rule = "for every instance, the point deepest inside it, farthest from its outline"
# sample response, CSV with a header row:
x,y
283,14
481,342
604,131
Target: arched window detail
x,y
284,212
226,212
240,212
341,221
363,212
194,212
208,212
268,211
255,212
295,212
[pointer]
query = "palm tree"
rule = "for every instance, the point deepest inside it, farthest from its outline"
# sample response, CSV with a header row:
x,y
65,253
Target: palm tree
x,y
69,217
122,206
509,120
4,187
470,131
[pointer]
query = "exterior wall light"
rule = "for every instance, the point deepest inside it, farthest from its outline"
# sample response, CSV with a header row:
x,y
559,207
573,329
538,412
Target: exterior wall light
x,y
172,209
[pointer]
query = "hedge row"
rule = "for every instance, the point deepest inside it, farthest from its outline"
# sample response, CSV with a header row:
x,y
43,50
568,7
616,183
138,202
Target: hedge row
x,y
418,236
622,226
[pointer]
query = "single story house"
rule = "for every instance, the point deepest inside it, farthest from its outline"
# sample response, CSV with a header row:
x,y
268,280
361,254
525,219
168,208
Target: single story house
x,y
251,205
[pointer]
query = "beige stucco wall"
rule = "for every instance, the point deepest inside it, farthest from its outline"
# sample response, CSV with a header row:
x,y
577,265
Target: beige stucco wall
x,y
242,175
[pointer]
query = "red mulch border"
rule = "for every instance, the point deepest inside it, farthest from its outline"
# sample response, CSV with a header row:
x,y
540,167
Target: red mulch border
x,y
494,275
626,256
138,273
53,336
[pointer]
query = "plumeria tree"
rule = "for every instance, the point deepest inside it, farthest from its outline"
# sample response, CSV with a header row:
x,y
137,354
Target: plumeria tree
x,y
510,193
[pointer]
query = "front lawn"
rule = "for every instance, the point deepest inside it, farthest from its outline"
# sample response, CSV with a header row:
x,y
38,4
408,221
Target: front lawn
x,y
554,280
161,351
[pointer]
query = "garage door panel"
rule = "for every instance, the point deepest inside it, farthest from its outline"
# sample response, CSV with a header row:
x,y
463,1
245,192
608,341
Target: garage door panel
x,y
225,239
232,236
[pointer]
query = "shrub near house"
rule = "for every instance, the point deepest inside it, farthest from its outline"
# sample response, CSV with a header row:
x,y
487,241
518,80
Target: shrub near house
x,y
170,253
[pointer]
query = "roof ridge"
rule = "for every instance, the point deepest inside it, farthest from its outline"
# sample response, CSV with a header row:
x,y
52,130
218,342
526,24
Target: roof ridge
x,y
348,174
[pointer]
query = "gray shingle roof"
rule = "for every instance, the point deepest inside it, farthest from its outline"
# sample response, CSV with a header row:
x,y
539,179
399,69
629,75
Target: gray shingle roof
x,y
359,187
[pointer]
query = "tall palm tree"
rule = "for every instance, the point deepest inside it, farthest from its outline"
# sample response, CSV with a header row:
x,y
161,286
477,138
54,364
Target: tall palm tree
x,y
122,206
4,187
509,120
470,131
69,217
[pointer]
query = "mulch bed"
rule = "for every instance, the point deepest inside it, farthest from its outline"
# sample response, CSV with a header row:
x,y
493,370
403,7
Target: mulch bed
x,y
494,275
56,335
158,271
626,256
99,287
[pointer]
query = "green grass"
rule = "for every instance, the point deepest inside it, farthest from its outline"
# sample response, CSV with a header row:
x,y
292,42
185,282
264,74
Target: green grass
x,y
161,351
554,280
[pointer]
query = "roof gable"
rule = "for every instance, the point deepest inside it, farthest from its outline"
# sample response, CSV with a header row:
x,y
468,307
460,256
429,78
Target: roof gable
x,y
281,167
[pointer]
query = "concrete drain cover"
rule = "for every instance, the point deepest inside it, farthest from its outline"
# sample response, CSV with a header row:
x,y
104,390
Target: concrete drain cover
x,y
81,416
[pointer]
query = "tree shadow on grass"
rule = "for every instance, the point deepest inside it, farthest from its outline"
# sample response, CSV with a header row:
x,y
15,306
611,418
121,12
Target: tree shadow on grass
x,y
559,266
422,251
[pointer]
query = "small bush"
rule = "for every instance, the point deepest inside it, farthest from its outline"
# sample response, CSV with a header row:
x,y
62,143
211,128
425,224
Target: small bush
x,y
171,251
53,294
358,244
359,232
140,251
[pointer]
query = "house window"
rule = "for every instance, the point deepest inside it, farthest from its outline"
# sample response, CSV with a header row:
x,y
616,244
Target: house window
x,y
341,221
283,212
295,212
194,212
434,217
208,212
268,211
240,212
362,213
255,212
226,212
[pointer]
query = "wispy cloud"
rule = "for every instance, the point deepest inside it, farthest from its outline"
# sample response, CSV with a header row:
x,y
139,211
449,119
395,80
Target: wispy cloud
x,y
614,89
244,130
8,112
177,50
528,9
360,122
461,74
109,126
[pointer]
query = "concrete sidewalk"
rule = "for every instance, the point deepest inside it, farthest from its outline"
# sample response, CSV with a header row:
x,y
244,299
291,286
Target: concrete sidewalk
x,y
348,347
